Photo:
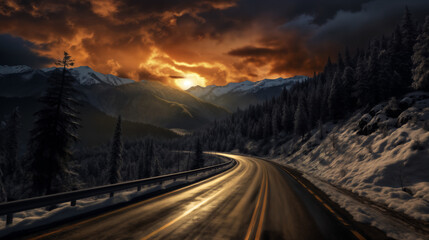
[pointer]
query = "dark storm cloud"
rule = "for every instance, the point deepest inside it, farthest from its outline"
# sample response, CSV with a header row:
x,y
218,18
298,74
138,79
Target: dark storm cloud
x,y
308,37
355,28
219,40
250,51
16,51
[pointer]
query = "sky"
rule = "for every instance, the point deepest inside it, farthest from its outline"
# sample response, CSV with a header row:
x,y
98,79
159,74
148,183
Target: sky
x,y
194,42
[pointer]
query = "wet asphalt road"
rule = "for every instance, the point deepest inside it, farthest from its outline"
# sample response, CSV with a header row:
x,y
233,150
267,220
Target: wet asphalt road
x,y
253,200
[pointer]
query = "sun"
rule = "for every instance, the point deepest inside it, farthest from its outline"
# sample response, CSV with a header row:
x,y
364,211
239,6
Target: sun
x,y
190,80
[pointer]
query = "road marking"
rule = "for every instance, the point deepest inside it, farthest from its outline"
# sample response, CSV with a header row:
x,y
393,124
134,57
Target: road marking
x,y
181,216
262,217
253,221
340,219
131,206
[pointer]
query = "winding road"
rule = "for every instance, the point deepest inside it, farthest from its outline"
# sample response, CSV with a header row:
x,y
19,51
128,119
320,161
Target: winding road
x,y
255,199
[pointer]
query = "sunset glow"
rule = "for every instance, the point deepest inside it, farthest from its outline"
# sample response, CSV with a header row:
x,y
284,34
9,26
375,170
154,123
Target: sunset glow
x,y
189,81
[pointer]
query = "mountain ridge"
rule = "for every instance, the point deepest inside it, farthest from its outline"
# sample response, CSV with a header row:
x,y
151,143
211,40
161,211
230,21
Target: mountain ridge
x,y
243,94
144,101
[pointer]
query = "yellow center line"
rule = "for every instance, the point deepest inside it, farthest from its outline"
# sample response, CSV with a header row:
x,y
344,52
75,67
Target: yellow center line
x,y
181,216
262,216
253,221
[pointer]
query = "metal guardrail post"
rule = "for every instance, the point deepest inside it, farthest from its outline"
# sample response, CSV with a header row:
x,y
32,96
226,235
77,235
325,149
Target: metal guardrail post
x,y
9,218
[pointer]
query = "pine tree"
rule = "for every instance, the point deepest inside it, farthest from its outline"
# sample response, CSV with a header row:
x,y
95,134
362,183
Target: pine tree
x,y
409,36
149,156
421,59
267,126
276,120
287,118
116,154
348,61
329,69
156,168
336,100
11,143
12,169
340,64
54,130
301,119
348,82
199,160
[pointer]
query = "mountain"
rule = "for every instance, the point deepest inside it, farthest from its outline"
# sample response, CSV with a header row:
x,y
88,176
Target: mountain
x,y
243,94
97,127
143,102
155,103
86,76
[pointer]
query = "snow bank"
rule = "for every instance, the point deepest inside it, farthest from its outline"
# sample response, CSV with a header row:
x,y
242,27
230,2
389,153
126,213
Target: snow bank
x,y
389,165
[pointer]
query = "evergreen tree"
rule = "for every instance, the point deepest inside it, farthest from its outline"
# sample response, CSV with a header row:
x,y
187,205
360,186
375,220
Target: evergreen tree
x,y
329,69
149,156
335,100
12,170
199,160
421,59
287,118
156,168
54,130
11,143
116,154
409,36
267,131
348,82
276,120
301,119
340,64
348,61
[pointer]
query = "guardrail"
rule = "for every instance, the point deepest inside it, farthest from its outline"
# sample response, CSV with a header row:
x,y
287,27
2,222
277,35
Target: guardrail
x,y
9,208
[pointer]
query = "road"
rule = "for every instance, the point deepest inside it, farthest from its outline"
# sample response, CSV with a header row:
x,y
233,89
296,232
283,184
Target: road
x,y
253,200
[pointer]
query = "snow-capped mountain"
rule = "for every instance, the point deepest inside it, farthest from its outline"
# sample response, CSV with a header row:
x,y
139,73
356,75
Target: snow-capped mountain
x,y
86,76
245,93
5,69
142,102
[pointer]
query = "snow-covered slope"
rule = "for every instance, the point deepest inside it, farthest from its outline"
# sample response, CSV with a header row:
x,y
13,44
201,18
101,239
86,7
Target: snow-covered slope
x,y
388,162
86,76
245,93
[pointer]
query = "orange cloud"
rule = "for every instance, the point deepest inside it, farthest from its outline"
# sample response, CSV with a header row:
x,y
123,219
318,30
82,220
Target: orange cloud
x,y
162,42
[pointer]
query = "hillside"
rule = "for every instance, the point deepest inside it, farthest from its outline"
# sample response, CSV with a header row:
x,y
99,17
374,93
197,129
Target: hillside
x,y
388,165
243,94
97,127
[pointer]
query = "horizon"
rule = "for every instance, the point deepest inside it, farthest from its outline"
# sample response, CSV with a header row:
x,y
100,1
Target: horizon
x,y
179,86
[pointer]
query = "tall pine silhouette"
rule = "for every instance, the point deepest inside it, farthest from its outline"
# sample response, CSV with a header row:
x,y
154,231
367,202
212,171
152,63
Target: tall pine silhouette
x,y
54,130
116,154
